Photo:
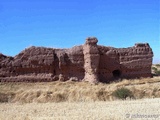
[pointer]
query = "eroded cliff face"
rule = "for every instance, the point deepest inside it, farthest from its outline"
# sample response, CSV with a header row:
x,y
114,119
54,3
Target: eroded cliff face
x,y
89,62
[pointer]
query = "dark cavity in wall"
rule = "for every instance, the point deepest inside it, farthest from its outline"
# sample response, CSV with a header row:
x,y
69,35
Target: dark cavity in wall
x,y
116,74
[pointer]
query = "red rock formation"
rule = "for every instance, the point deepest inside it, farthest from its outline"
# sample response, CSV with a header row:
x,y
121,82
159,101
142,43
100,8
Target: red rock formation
x,y
90,62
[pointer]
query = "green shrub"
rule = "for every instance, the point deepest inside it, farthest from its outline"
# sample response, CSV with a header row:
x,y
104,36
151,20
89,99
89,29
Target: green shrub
x,y
122,93
154,68
157,72
157,65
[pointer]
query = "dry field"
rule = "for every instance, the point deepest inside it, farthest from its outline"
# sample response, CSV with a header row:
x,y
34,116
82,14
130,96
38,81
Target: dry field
x,y
80,100
142,109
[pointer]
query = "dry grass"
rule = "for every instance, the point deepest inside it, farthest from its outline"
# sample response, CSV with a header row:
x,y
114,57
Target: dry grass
x,y
76,91
79,100
70,91
116,110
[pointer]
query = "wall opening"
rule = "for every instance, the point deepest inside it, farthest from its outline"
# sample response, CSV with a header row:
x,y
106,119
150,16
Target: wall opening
x,y
54,72
116,73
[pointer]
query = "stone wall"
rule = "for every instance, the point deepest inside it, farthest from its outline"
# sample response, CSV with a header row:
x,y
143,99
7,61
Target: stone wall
x,y
89,62
132,62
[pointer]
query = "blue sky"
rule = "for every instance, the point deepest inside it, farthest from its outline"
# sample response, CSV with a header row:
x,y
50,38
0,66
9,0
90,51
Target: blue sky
x,y
65,23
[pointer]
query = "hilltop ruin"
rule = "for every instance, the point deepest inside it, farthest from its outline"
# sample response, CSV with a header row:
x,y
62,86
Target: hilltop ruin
x,y
89,62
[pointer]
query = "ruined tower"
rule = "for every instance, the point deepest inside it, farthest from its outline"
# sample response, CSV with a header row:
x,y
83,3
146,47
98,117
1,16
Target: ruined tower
x,y
91,59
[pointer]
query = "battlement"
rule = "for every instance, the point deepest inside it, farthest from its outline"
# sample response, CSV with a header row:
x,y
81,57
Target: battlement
x,y
142,45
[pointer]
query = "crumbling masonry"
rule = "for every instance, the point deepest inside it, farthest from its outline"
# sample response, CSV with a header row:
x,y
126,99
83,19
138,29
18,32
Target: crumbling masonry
x,y
89,62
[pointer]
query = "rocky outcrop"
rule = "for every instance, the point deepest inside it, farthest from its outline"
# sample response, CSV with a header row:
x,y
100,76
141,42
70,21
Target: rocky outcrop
x,y
89,62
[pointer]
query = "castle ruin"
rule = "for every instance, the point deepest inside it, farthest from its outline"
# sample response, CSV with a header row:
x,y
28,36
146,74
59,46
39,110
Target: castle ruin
x,y
89,62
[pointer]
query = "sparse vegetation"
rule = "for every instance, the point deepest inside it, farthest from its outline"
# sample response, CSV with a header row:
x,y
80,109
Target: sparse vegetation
x,y
157,72
78,100
78,91
122,93
156,69
157,65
